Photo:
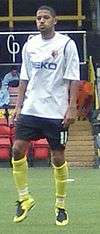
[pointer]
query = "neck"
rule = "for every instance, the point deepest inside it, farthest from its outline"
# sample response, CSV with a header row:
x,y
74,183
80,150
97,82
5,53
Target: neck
x,y
48,35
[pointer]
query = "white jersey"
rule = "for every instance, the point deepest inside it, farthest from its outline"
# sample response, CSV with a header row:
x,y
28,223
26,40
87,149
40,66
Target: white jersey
x,y
48,65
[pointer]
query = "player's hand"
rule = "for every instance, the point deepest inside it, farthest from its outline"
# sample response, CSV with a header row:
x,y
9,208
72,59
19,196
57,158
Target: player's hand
x,y
70,116
17,113
15,116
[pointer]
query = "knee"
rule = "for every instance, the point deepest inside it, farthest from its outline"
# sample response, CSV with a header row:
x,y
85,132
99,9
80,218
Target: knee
x,y
56,162
16,152
58,158
19,149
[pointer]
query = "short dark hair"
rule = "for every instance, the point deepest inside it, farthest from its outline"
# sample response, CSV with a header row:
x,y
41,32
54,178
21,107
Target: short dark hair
x,y
48,8
13,68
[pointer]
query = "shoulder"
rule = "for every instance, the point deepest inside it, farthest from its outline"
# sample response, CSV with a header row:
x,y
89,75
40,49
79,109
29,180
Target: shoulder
x,y
62,37
7,75
33,40
66,42
66,39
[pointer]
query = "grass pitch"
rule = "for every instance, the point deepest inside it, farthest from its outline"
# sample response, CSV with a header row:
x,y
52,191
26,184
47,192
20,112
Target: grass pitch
x,y
83,203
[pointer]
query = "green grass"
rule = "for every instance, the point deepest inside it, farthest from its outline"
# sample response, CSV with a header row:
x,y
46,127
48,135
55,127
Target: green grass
x,y
83,203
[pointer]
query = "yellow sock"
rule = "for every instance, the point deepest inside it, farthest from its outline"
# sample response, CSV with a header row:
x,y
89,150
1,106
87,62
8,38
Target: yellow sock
x,y
60,175
20,169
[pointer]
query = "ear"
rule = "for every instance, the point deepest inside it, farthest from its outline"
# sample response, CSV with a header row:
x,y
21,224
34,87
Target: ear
x,y
55,21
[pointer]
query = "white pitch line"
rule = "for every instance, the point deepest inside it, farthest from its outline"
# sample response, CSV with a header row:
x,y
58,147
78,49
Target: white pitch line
x,y
70,180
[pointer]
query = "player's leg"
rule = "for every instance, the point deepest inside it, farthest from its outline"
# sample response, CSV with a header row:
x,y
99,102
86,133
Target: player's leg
x,y
20,169
23,134
60,176
57,140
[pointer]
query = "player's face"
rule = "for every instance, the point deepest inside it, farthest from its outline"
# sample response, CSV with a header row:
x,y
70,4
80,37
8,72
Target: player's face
x,y
14,72
44,20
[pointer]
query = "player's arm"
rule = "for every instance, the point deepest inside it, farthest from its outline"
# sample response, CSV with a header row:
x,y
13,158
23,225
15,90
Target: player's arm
x,y
71,112
72,73
21,96
24,78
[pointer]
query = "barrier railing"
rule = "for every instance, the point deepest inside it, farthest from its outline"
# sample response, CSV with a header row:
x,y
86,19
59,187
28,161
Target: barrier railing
x,y
11,18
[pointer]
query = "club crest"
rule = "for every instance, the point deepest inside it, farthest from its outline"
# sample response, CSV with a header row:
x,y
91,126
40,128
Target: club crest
x,y
54,53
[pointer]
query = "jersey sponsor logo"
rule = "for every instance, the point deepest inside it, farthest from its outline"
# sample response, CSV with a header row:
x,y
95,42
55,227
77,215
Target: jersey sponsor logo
x,y
44,65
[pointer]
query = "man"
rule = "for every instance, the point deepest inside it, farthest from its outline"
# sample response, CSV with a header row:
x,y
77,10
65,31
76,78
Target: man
x,y
10,77
50,62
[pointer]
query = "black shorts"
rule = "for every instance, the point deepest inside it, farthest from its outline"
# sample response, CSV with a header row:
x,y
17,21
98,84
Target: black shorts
x,y
34,128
